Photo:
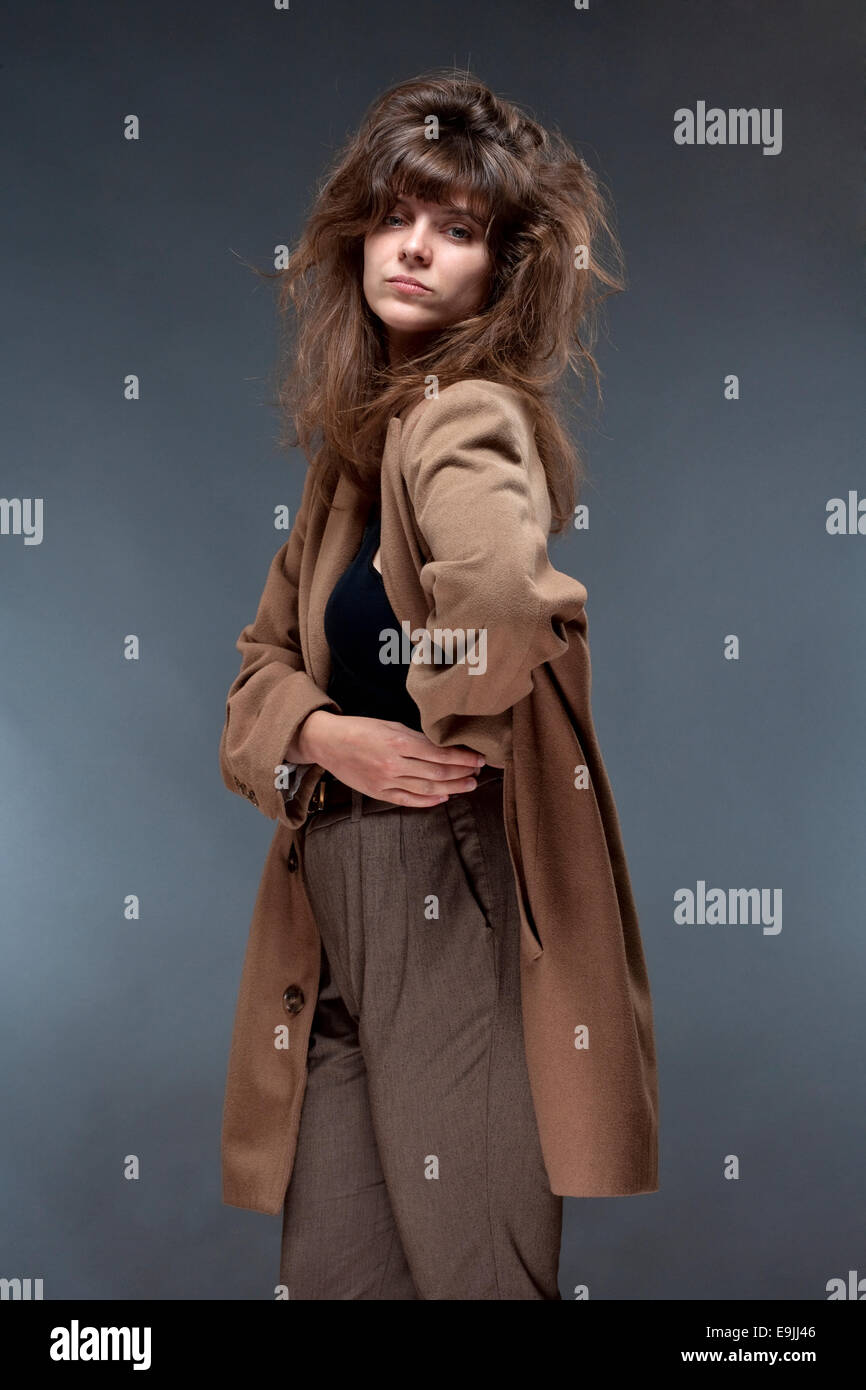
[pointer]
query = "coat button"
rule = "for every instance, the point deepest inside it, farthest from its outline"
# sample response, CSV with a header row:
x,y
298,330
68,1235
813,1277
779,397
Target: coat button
x,y
292,861
293,999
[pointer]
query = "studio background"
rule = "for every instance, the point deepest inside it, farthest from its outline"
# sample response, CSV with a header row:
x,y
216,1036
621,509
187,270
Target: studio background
x,y
707,518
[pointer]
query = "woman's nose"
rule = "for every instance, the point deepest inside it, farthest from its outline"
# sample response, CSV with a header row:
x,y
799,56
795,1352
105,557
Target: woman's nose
x,y
416,245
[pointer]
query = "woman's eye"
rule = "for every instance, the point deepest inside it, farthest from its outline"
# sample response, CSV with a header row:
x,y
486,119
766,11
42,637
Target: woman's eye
x,y
465,234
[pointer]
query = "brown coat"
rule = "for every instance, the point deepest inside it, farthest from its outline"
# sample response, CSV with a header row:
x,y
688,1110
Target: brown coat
x,y
465,524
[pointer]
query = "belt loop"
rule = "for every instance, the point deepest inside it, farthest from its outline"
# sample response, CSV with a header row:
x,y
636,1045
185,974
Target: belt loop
x,y
357,804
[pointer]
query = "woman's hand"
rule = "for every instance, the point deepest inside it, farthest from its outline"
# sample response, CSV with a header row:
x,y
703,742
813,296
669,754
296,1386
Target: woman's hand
x,y
386,760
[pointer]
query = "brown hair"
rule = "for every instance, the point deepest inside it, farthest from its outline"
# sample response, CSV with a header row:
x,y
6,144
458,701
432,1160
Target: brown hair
x,y
541,203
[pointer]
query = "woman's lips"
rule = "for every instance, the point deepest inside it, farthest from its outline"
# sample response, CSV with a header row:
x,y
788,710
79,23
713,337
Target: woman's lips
x,y
406,288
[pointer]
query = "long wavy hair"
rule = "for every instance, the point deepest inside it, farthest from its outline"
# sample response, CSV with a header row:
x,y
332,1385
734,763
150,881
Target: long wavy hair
x,y
335,388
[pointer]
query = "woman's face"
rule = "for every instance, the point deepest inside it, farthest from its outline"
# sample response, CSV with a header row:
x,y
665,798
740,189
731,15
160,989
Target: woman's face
x,y
442,247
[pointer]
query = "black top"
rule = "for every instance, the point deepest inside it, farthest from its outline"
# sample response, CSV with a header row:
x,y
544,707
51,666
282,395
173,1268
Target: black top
x,y
357,612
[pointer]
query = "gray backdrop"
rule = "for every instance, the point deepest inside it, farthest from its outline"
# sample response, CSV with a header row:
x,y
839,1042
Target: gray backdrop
x,y
708,518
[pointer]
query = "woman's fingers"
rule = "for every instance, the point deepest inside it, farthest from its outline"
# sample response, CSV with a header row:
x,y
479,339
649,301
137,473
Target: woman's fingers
x,y
410,800
420,791
438,771
451,761
422,773
422,786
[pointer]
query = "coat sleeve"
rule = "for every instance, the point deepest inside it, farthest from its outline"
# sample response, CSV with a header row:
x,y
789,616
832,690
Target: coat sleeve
x,y
489,577
272,694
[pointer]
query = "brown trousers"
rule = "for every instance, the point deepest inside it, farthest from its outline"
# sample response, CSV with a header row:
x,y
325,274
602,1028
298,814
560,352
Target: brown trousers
x,y
418,1172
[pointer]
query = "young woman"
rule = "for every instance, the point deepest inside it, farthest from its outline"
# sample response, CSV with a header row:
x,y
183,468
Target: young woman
x,y
446,912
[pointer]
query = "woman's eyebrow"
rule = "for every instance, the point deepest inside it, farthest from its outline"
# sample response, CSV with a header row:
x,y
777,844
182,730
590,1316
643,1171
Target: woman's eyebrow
x,y
463,212
450,208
